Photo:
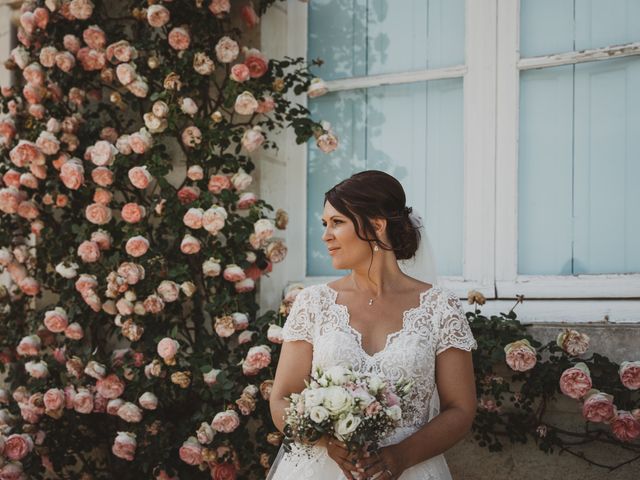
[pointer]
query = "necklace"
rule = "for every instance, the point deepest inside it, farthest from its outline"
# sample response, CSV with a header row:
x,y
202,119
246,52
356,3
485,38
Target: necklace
x,y
371,299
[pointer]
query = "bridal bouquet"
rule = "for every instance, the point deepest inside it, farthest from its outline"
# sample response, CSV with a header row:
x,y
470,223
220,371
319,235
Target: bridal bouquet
x,y
356,409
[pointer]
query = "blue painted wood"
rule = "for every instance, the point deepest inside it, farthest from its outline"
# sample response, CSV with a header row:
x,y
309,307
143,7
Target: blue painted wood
x,y
545,171
607,167
413,132
555,26
371,37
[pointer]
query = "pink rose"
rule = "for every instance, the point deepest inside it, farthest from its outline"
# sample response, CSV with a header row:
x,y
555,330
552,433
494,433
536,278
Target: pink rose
x,y
233,273
246,200
103,153
139,87
110,386
274,334
573,342
191,452
65,61
217,183
114,405
98,214
153,304
81,9
266,105
131,272
28,180
10,199
133,213
252,139
258,357
191,136
630,375
56,320
226,421
91,59
72,174
141,141
48,143
193,218
211,377
102,176
625,426
11,178
220,7
256,62
168,290
157,16
263,229
130,412
25,153
54,399
190,245
168,348
195,172
12,471
83,401
121,51
102,196
137,246
126,73
17,446
520,355
575,382
224,471
71,43
123,146
74,331
34,74
89,251
179,38
241,180
327,142
249,16
598,407
224,326
188,194
246,104
317,88
94,37
227,50
244,286
213,220
124,446
239,73
148,401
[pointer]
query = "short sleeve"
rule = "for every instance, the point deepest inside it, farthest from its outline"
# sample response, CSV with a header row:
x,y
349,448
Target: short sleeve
x,y
454,329
299,323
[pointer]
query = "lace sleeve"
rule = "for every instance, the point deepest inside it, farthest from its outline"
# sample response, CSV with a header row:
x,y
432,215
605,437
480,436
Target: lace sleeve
x,y
299,323
454,326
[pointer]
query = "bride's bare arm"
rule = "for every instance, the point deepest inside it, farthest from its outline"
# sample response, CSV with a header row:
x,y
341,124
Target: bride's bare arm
x,y
293,368
457,391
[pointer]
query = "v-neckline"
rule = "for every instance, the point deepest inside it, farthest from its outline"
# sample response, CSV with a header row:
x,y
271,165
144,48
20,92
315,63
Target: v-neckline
x,y
390,336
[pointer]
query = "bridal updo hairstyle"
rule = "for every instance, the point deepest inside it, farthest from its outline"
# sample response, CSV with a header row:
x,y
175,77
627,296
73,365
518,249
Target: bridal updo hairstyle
x,y
375,194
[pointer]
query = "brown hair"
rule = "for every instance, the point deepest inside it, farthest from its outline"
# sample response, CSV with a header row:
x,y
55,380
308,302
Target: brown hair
x,y
375,194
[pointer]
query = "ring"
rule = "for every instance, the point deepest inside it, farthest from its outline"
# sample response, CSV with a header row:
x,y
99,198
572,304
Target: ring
x,y
386,470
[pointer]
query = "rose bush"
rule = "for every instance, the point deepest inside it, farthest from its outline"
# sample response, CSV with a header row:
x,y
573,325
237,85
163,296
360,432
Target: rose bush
x,y
129,331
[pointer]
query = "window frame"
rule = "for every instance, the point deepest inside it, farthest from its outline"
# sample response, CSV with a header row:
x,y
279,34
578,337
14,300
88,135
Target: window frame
x,y
491,79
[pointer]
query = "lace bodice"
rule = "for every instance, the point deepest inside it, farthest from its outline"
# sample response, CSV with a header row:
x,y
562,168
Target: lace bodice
x,y
438,322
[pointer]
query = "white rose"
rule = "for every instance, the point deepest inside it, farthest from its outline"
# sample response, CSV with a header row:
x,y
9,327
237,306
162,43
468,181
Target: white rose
x,y
313,398
375,384
347,425
337,400
318,414
394,412
67,269
211,268
338,375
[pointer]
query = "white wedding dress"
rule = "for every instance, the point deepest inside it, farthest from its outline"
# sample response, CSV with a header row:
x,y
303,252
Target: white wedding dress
x,y
437,323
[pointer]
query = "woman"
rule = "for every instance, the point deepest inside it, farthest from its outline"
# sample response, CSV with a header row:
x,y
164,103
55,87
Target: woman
x,y
377,319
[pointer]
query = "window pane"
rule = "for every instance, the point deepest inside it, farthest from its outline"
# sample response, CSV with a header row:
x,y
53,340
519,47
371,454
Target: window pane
x,y
367,37
579,167
554,26
413,132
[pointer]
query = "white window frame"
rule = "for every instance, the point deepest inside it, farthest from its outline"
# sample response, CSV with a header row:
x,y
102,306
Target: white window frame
x,y
491,124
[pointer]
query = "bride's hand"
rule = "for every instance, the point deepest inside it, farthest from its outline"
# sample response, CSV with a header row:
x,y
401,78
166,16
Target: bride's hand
x,y
381,464
340,454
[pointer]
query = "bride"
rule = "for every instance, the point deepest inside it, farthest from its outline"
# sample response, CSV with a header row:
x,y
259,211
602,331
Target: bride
x,y
377,319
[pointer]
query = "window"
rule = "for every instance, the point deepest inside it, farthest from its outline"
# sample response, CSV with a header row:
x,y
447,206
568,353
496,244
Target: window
x,y
526,113
377,56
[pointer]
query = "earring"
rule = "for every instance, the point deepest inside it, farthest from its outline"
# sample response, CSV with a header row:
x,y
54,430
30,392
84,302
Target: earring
x,y
375,248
